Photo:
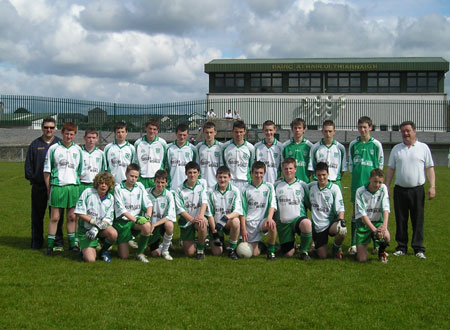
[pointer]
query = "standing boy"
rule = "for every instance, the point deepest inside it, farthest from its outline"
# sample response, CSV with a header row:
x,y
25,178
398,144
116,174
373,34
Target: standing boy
x,y
131,202
209,154
62,167
225,207
120,153
191,202
292,198
260,204
269,151
298,147
179,153
150,153
329,151
364,154
163,216
327,212
372,214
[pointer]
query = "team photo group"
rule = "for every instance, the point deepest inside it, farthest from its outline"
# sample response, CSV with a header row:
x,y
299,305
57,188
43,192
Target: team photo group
x,y
264,198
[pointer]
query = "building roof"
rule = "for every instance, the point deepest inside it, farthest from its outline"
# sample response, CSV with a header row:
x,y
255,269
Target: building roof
x,y
328,64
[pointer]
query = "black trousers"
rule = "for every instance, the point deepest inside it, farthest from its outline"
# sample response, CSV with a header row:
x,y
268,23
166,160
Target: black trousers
x,y
39,201
409,202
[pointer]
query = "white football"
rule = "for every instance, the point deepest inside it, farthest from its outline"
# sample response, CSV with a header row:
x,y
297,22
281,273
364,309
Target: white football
x,y
244,250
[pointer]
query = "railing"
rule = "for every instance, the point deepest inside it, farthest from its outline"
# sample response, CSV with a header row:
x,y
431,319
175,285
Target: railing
x,y
28,111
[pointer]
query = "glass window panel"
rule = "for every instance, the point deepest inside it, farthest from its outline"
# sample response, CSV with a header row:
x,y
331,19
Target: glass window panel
x,y
265,82
219,82
432,74
411,82
332,89
395,82
229,82
432,82
315,90
265,74
383,82
422,74
421,81
277,90
240,82
293,90
371,89
355,82
412,74
276,82
371,82
293,82
315,82
304,82
255,82
355,90
343,82
395,89
383,89
332,82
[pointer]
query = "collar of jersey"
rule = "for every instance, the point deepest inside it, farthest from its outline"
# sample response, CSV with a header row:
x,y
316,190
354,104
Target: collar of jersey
x,y
243,144
124,186
163,193
89,152
262,182
149,142
373,193
209,146
369,140
275,141
293,141
327,186
184,145
296,180
196,184
226,190
126,144
323,144
62,144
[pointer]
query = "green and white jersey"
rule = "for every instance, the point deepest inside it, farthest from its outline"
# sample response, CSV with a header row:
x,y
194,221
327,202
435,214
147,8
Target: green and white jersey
x,y
292,199
300,152
334,155
257,200
209,159
95,207
220,204
363,157
326,204
372,204
94,162
64,164
271,156
190,200
163,205
118,158
150,155
176,160
134,201
239,159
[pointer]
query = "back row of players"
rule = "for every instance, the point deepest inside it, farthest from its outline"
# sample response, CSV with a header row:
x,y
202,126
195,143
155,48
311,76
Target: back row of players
x,y
241,191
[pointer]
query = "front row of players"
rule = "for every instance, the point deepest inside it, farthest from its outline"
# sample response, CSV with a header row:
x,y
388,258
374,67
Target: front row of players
x,y
260,209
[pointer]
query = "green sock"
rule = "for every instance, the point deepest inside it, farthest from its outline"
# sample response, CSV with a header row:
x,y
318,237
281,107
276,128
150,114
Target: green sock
x,y
200,247
106,245
271,248
233,244
142,244
51,241
71,239
336,247
353,231
305,242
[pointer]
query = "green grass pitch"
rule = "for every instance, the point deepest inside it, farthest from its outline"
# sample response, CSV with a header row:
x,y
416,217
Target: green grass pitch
x,y
217,293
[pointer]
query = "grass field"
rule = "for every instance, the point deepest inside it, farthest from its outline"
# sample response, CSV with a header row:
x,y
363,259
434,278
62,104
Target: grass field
x,y
61,292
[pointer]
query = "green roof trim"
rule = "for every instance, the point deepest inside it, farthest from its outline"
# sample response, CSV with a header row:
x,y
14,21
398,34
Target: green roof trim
x,y
328,64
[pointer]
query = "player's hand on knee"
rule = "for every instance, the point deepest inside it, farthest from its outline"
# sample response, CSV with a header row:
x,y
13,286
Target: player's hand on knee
x,y
341,228
100,224
92,233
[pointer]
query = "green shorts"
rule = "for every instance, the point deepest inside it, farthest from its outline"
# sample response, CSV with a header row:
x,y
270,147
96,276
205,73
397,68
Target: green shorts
x,y
187,233
363,232
84,242
64,197
123,228
287,231
83,186
147,182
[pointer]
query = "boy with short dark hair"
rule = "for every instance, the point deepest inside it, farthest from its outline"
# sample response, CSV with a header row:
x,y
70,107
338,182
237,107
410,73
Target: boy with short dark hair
x,y
209,154
269,151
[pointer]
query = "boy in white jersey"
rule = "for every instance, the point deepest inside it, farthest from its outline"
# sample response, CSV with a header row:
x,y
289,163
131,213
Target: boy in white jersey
x,y
95,208
131,202
259,204
62,166
225,207
163,216
120,153
329,151
150,153
191,202
327,212
178,154
94,160
372,214
364,154
238,156
269,151
209,154
292,198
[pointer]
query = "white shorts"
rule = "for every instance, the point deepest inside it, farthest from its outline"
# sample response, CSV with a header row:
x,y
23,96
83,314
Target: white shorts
x,y
254,229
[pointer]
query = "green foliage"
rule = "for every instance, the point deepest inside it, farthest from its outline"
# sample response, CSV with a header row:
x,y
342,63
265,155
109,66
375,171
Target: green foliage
x,y
62,292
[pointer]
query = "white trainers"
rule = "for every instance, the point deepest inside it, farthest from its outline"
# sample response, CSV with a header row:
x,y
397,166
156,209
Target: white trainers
x,y
166,255
352,250
133,244
421,255
399,253
142,258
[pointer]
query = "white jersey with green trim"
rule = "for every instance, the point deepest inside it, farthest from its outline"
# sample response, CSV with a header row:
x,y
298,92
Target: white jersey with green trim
x,y
271,156
326,204
64,164
190,200
150,155
92,205
292,199
220,204
371,204
239,159
334,155
118,157
176,160
257,200
134,201
94,162
163,205
209,159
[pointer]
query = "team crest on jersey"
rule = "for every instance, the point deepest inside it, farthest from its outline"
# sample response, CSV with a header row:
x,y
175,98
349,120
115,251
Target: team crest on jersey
x,y
297,192
186,154
327,198
158,150
245,156
127,156
260,154
371,152
230,200
80,203
163,205
138,196
275,155
97,159
336,154
91,204
265,193
290,153
75,156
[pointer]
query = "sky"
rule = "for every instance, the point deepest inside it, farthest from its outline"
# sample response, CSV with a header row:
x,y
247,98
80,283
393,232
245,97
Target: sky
x,y
143,52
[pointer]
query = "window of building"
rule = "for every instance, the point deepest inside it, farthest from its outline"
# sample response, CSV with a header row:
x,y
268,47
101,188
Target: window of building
x,y
229,82
422,82
266,83
304,82
383,82
343,82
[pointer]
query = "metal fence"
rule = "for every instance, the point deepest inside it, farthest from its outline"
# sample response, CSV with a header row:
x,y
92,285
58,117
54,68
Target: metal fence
x,y
28,111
